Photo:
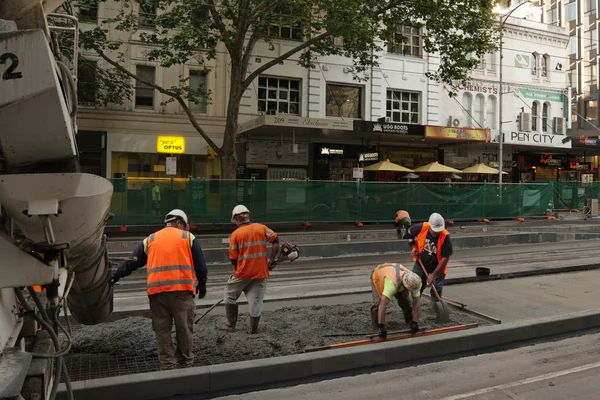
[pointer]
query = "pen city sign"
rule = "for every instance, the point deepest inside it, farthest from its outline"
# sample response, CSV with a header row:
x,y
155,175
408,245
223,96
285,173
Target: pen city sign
x,y
538,139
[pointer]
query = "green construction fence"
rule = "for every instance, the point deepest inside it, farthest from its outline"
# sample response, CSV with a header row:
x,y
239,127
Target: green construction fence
x,y
211,201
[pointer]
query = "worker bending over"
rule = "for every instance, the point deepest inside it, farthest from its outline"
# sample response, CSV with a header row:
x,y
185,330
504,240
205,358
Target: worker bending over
x,y
248,255
176,273
402,223
431,242
395,280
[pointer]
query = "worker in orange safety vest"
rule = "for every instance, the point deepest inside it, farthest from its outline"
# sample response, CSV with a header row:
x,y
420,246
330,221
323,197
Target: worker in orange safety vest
x,y
248,255
430,241
176,273
402,222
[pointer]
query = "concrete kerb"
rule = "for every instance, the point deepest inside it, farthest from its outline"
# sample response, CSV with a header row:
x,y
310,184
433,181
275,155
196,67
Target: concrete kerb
x,y
351,249
247,374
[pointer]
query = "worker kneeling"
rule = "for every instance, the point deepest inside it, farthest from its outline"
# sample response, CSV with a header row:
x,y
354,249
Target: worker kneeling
x,y
395,280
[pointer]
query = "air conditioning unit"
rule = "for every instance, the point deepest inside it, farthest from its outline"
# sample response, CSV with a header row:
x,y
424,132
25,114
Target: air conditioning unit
x,y
455,121
525,122
559,125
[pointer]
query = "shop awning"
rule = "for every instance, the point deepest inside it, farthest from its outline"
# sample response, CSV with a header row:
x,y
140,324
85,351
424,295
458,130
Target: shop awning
x,y
294,121
436,167
387,166
481,169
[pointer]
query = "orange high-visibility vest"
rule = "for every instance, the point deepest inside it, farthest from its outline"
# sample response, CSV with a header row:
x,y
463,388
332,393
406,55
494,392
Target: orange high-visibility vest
x,y
248,245
422,236
393,271
400,214
170,264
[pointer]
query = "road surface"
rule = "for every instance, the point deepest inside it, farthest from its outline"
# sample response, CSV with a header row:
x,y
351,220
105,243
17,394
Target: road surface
x,y
322,277
552,370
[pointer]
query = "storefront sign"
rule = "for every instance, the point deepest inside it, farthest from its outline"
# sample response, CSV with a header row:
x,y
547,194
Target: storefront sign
x,y
328,151
171,166
542,95
368,157
357,173
481,89
294,121
170,144
522,60
536,139
389,127
580,166
584,141
548,160
438,132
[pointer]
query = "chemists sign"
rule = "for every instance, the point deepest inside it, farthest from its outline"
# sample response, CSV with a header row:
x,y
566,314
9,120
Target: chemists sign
x,y
537,139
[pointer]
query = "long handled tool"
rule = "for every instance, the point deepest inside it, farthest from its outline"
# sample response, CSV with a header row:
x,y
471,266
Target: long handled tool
x,y
207,311
442,313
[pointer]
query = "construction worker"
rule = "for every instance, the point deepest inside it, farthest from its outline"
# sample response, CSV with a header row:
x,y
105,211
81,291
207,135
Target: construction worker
x,y
248,255
402,223
155,190
176,273
395,280
430,242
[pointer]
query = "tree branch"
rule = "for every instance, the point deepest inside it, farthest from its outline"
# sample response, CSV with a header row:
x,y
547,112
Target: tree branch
x,y
283,57
169,93
249,48
217,18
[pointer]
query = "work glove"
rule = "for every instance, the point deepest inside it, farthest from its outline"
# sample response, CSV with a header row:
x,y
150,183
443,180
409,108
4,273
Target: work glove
x,y
201,291
115,276
382,331
414,327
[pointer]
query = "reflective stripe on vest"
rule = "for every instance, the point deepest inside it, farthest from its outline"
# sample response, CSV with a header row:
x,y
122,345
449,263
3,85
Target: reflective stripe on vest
x,y
422,236
389,270
170,265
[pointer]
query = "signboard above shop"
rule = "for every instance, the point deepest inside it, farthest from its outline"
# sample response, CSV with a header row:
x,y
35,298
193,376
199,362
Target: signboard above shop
x,y
368,157
537,139
586,142
466,134
295,121
170,144
389,127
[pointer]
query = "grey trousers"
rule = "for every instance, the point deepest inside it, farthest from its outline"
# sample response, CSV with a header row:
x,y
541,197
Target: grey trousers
x,y
254,290
166,308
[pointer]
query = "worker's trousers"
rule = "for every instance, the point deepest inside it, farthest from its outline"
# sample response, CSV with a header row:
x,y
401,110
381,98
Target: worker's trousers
x,y
439,281
254,289
403,302
180,307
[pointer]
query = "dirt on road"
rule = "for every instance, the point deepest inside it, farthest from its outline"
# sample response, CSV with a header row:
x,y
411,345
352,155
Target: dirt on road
x,y
289,330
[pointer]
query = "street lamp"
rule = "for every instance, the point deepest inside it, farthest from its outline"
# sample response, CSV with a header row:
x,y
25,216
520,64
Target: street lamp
x,y
503,19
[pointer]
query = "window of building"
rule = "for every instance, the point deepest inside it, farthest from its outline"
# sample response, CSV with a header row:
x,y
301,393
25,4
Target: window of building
x,y
402,106
591,111
545,116
147,13
487,62
278,96
467,100
552,16
590,74
590,6
592,39
478,110
534,116
144,94
407,41
571,11
343,101
88,13
87,72
198,83
545,65
287,27
534,64
572,48
490,118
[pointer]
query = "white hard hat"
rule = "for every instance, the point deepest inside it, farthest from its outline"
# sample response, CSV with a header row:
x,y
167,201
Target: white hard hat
x,y
239,209
174,214
436,222
411,281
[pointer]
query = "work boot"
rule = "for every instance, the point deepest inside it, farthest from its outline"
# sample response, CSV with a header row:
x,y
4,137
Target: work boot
x,y
231,311
253,325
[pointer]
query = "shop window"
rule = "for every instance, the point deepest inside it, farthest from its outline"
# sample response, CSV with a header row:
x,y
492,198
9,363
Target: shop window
x,y
88,12
467,100
153,165
407,41
545,65
546,117
590,6
534,64
343,101
534,116
198,84
278,96
144,94
478,110
571,11
490,120
287,25
147,13
87,71
402,106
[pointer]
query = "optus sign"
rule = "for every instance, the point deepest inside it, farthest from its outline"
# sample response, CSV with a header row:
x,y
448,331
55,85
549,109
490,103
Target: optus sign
x,y
170,144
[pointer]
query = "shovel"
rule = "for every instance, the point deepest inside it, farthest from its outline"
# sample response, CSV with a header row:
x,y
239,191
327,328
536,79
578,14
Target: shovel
x,y
204,315
442,312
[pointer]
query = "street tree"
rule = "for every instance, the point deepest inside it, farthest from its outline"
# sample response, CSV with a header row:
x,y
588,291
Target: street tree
x,y
459,32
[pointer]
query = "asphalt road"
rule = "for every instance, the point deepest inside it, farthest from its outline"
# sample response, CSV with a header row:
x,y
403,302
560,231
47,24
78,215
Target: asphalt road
x,y
326,277
551,370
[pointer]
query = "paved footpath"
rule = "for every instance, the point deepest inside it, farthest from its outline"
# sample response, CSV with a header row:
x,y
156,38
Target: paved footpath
x,y
303,279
